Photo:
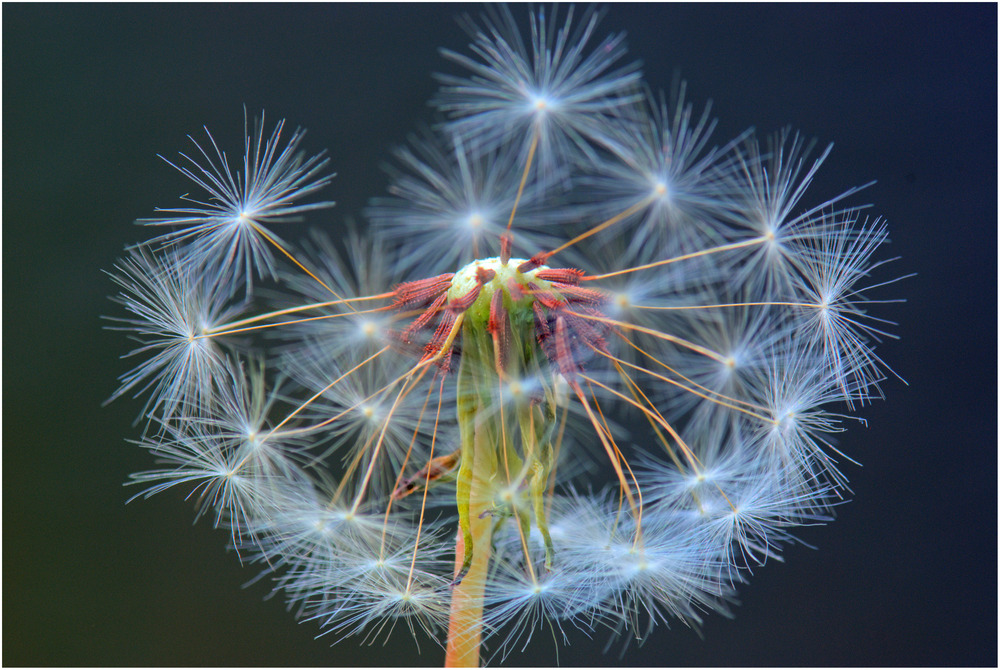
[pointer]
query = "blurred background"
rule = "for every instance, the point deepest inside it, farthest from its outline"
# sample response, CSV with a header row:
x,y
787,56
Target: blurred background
x,y
907,575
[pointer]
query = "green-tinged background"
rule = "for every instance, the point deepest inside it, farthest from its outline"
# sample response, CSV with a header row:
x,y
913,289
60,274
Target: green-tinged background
x,y
906,576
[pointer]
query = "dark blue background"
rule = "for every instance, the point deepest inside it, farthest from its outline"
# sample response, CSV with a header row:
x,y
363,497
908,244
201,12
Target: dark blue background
x,y
907,574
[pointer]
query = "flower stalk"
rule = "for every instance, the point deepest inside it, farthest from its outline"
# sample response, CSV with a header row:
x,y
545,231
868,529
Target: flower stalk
x,y
473,546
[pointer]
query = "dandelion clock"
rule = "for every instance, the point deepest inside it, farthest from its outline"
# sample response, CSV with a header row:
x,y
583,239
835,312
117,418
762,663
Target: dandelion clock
x,y
580,367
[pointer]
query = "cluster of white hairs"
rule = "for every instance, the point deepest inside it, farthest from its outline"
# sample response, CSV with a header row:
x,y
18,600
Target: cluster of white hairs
x,y
573,319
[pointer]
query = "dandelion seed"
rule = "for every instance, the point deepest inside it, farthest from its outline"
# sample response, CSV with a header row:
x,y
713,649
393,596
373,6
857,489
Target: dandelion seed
x,y
227,230
664,156
173,311
449,206
552,92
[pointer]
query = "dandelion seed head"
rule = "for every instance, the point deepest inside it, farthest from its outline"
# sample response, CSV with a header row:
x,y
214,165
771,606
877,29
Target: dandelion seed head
x,y
578,367
503,274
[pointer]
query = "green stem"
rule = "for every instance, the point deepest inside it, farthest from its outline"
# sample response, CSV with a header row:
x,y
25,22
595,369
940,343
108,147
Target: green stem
x,y
466,625
474,483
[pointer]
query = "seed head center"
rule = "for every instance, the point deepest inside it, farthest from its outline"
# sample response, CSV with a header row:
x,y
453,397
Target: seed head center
x,y
504,276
